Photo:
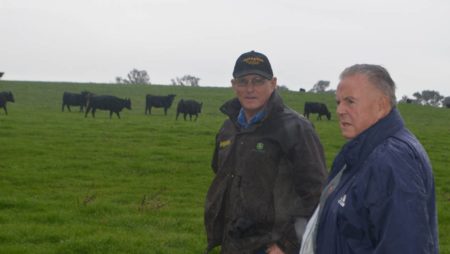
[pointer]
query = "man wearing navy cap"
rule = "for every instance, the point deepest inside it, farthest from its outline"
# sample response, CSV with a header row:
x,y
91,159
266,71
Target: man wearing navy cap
x,y
269,168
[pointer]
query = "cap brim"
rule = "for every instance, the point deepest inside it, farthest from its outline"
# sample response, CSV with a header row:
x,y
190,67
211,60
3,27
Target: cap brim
x,y
249,72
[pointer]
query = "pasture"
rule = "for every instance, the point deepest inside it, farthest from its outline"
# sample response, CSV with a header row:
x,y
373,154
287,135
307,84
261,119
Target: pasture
x,y
70,184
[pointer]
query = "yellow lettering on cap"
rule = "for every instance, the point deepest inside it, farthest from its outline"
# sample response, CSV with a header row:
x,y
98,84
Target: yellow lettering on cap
x,y
253,60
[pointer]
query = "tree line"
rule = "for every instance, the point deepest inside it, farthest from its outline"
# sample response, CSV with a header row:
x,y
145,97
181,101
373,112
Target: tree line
x,y
426,97
141,77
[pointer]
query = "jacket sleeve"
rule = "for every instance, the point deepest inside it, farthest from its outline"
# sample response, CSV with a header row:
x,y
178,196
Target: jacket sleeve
x,y
401,204
215,157
307,176
310,171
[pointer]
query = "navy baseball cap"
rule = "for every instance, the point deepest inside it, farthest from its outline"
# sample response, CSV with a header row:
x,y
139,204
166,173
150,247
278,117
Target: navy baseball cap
x,y
253,63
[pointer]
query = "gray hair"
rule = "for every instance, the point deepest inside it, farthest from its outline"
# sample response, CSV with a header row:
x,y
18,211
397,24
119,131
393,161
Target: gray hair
x,y
377,75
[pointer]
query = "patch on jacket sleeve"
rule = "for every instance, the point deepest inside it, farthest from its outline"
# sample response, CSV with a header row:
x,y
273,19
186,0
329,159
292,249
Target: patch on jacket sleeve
x,y
224,143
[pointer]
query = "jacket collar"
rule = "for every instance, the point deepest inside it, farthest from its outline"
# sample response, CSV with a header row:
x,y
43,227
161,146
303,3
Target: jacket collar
x,y
358,149
247,123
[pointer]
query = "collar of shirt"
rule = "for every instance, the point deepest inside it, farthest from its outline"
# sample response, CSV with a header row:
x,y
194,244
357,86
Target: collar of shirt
x,y
255,119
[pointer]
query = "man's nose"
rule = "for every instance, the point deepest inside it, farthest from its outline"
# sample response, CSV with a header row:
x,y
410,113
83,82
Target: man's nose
x,y
250,86
340,109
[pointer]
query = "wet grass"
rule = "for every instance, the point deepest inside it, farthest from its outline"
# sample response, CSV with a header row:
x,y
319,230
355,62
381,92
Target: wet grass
x,y
70,184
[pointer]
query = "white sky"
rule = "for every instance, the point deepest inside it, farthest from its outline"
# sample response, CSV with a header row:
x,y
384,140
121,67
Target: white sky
x,y
306,41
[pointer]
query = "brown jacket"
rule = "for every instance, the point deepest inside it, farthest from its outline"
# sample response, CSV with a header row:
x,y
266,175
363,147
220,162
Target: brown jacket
x,y
266,176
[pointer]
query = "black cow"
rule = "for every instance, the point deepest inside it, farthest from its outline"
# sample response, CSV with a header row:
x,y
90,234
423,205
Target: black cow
x,y
410,101
75,99
190,107
107,102
316,107
5,96
446,102
158,102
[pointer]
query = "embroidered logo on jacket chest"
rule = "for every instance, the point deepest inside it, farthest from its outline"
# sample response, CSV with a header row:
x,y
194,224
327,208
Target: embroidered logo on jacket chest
x,y
224,143
342,200
260,147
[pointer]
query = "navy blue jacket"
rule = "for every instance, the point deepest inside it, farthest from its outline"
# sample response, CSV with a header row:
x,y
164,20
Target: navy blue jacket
x,y
385,201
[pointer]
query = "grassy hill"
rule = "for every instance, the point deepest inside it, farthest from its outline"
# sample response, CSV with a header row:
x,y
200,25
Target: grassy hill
x,y
70,184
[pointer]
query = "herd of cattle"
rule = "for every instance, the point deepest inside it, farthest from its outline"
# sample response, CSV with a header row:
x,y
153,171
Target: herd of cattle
x,y
114,104
92,102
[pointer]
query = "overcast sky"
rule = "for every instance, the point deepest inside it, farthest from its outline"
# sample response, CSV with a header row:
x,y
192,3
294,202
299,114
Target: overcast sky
x,y
306,41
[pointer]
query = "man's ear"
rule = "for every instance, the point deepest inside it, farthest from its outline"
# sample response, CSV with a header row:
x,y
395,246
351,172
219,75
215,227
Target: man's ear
x,y
383,106
273,83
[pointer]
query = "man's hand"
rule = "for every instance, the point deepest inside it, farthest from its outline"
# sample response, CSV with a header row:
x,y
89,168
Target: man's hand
x,y
274,249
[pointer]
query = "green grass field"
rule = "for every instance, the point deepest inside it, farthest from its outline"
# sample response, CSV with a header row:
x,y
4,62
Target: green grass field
x,y
70,184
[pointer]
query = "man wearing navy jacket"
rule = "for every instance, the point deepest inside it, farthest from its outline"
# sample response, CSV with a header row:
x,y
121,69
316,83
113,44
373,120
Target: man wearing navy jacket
x,y
380,196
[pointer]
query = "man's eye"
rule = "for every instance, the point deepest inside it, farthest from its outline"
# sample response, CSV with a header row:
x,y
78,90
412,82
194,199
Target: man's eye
x,y
258,81
242,82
